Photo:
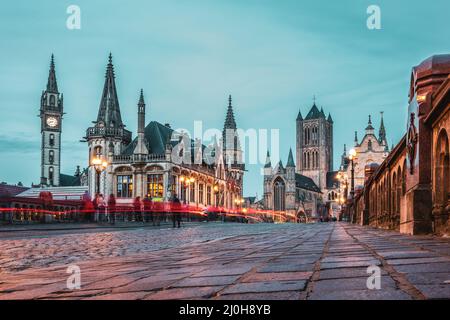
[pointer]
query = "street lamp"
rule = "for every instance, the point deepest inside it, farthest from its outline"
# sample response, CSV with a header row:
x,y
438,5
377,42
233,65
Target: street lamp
x,y
99,166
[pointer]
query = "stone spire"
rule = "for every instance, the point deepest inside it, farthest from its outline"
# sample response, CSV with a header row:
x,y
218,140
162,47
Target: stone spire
x,y
382,131
268,162
52,86
299,116
141,147
230,123
290,162
230,127
356,138
370,129
330,120
109,110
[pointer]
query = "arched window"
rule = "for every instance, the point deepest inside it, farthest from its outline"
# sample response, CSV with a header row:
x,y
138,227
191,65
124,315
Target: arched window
x,y
317,159
394,194
279,193
308,157
52,100
51,156
98,151
442,170
50,175
51,141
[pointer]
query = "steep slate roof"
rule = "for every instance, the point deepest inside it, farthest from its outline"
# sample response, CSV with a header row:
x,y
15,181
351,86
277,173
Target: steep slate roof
x,y
332,180
314,113
66,180
157,136
251,200
306,183
52,86
290,162
109,110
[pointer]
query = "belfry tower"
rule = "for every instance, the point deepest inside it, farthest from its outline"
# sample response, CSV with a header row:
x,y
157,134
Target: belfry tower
x,y
51,114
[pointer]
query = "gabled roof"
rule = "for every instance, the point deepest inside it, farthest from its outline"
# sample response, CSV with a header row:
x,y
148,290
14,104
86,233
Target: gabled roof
x,y
7,190
157,136
66,180
332,180
304,182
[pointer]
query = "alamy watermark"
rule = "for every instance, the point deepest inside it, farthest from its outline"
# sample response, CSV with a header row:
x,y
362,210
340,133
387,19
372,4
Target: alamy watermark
x,y
374,280
74,280
73,21
374,19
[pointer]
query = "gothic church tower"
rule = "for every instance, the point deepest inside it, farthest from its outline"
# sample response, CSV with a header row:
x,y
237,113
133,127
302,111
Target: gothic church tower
x,y
315,145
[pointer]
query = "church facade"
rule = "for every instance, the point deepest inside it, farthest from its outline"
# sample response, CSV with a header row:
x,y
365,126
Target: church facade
x,y
372,150
161,162
309,187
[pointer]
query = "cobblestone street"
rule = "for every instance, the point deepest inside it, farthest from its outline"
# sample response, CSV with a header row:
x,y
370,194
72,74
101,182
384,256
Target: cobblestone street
x,y
226,261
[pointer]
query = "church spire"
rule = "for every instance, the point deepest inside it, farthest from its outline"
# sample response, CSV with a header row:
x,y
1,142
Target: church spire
x,y
268,162
52,86
140,146
382,131
230,123
290,162
109,110
229,128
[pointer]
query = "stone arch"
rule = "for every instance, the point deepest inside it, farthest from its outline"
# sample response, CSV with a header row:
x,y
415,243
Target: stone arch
x,y
279,194
442,169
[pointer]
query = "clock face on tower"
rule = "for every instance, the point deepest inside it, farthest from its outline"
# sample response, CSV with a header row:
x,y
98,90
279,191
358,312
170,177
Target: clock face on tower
x,y
52,122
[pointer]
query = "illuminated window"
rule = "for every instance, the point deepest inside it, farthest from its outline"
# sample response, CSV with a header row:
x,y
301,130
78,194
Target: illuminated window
x,y
51,139
124,186
200,193
155,185
208,195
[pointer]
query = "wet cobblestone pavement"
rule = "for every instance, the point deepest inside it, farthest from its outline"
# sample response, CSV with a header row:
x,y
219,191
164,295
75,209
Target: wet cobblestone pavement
x,y
226,261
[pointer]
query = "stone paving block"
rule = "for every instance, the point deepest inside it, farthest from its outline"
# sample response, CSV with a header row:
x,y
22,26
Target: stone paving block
x,y
409,261
205,281
184,293
343,273
225,270
401,254
350,264
278,267
276,276
428,278
119,296
424,267
289,295
267,286
350,284
435,291
389,294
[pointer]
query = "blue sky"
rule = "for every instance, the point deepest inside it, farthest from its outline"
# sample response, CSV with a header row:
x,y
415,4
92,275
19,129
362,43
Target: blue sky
x,y
272,56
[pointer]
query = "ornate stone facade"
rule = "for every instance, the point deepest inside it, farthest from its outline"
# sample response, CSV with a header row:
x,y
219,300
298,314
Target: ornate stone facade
x,y
161,162
409,191
309,188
